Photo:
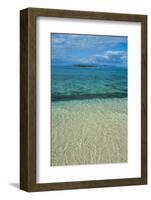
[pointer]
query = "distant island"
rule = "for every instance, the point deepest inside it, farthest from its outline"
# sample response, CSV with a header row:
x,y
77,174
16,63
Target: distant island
x,y
85,66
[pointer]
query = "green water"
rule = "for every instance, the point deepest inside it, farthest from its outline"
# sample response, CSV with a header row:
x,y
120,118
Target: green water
x,y
70,82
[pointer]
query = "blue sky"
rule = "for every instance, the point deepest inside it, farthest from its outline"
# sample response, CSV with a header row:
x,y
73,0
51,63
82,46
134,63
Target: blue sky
x,y
89,49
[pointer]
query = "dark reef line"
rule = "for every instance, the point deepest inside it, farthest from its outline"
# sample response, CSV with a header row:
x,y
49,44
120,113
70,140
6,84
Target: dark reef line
x,y
88,96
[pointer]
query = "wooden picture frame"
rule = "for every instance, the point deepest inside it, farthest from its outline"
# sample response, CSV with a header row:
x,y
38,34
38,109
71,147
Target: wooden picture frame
x,y
28,98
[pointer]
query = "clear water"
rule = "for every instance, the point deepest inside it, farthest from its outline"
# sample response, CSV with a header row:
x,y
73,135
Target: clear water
x,y
70,82
89,115
90,131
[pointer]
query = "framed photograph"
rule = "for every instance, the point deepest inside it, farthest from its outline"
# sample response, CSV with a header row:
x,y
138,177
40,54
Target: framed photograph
x,y
83,92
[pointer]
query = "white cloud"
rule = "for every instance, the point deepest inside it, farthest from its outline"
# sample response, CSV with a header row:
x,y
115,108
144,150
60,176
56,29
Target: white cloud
x,y
89,49
87,41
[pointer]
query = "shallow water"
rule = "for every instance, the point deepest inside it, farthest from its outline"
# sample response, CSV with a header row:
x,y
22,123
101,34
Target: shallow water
x,y
89,132
89,115
70,82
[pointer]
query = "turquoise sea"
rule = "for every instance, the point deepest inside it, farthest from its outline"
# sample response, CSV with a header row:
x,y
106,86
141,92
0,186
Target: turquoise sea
x,y
70,82
89,115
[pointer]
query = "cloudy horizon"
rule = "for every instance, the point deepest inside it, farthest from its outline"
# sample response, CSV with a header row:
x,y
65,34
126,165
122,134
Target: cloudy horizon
x,y
89,49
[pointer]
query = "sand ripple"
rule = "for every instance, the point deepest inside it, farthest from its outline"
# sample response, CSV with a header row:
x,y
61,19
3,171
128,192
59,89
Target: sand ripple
x,y
89,132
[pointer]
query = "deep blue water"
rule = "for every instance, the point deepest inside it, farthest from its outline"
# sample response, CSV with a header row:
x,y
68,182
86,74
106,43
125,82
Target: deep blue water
x,y
70,82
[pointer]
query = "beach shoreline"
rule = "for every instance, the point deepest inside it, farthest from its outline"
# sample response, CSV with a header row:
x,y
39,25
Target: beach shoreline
x,y
89,132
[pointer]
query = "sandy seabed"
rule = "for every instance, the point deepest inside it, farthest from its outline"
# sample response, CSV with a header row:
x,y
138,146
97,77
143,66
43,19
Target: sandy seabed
x,y
89,132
